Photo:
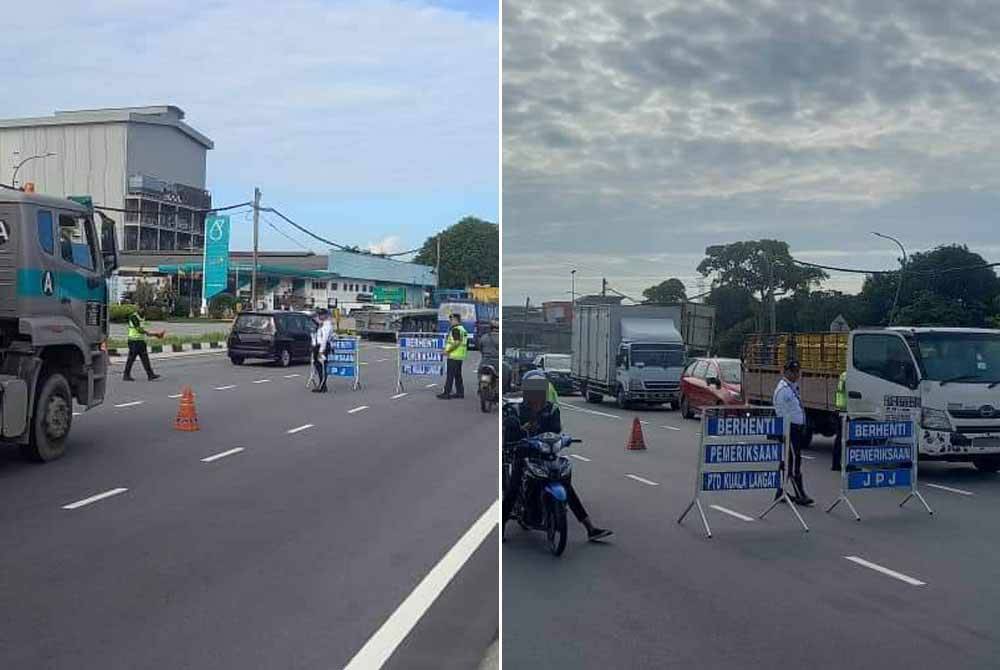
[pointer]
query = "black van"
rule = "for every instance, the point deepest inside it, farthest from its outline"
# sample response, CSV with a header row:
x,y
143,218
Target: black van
x,y
282,337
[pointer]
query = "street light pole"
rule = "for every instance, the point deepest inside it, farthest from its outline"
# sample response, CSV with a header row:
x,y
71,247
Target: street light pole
x,y
902,270
572,274
17,167
256,228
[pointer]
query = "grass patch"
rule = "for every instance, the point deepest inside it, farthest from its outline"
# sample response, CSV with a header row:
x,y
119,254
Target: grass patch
x,y
114,343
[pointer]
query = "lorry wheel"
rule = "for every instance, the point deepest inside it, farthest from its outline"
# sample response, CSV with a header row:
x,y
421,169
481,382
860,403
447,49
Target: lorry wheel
x,y
622,399
987,463
675,405
590,396
52,420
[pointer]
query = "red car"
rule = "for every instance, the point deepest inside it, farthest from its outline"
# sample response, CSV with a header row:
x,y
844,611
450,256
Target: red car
x,y
708,382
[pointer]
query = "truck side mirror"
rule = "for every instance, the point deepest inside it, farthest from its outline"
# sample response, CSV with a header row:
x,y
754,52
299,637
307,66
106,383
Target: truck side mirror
x,y
109,245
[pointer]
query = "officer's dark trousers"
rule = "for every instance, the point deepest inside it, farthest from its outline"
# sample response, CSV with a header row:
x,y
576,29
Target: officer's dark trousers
x,y
454,378
320,367
137,348
795,460
838,445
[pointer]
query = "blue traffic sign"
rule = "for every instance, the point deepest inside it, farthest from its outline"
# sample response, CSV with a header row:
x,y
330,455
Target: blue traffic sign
x,y
350,344
340,370
745,426
421,343
743,453
879,479
741,480
879,430
423,369
425,356
890,454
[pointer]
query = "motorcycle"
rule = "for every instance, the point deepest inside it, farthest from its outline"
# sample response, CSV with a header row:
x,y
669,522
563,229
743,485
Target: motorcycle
x,y
489,393
541,501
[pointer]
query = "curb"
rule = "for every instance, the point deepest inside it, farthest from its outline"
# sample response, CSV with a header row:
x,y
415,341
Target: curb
x,y
172,348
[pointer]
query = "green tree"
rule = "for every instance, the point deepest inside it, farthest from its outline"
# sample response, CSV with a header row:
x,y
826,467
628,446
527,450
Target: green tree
x,y
470,254
814,311
966,297
735,310
759,266
671,290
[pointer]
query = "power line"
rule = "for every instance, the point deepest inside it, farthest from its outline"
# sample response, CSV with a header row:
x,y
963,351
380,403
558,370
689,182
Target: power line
x,y
305,230
196,210
270,223
832,268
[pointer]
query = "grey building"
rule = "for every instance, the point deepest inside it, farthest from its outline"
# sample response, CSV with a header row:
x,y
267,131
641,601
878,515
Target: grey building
x,y
144,160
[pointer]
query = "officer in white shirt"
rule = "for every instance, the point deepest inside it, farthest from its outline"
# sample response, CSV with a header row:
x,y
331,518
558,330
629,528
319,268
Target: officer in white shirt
x,y
321,343
788,405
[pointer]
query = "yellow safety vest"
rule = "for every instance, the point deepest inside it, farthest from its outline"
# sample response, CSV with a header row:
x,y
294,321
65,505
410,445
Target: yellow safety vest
x,y
840,399
135,330
462,350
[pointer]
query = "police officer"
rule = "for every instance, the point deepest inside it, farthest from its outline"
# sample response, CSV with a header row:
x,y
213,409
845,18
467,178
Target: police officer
x,y
788,405
321,344
840,402
457,349
137,345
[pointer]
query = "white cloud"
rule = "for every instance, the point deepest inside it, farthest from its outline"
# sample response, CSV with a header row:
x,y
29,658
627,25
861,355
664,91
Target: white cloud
x,y
387,245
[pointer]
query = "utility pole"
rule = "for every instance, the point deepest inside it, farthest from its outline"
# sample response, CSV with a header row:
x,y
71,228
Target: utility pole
x,y
437,269
770,267
524,333
256,229
572,275
604,287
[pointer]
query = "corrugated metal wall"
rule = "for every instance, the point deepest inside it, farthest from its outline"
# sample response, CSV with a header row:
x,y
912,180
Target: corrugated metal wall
x,y
166,153
89,160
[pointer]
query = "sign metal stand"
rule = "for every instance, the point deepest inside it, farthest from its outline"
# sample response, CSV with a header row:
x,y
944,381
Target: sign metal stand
x,y
420,355
870,456
733,438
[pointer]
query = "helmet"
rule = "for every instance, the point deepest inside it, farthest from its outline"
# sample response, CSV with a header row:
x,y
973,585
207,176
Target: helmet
x,y
533,374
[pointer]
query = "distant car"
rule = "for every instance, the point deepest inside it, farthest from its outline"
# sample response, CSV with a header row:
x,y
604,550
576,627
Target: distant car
x,y
711,382
557,369
282,337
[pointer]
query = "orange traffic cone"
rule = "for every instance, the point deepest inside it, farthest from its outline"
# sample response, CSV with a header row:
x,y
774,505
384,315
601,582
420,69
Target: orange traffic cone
x,y
187,416
636,442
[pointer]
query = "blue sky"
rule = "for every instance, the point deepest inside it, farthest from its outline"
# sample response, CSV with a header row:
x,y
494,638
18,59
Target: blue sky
x,y
369,121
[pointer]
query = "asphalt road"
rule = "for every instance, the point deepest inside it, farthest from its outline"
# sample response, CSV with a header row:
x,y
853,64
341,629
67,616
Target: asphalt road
x,y
325,528
760,593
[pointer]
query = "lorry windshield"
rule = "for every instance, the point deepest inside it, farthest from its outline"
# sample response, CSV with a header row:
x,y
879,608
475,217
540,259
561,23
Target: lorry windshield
x,y
657,356
556,362
464,309
948,356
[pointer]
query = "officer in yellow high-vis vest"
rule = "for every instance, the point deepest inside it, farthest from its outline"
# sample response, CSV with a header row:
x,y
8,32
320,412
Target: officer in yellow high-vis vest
x,y
456,348
840,403
137,346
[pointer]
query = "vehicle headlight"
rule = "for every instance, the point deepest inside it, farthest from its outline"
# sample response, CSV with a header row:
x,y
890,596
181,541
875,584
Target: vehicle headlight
x,y
935,419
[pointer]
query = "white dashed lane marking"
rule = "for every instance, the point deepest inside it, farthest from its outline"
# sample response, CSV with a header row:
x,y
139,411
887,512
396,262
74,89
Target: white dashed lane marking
x,y
670,427
430,386
357,409
292,376
131,404
225,388
580,458
299,429
885,571
175,395
262,381
93,499
940,487
726,510
400,395
222,455
642,480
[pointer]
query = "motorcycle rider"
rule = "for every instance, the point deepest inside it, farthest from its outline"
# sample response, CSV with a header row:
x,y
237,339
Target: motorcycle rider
x,y
535,416
321,345
489,347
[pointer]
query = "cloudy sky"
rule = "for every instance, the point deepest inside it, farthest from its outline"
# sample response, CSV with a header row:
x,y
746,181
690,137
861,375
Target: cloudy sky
x,y
372,122
636,133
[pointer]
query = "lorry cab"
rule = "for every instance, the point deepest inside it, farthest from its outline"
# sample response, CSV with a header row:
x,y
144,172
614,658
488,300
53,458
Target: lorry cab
x,y
946,378
649,362
53,316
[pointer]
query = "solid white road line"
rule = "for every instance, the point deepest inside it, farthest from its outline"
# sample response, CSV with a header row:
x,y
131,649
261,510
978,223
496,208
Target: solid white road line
x,y
292,376
381,360
357,409
262,381
400,395
225,388
430,386
642,480
886,571
580,458
386,347
391,634
670,427
131,404
222,455
175,395
93,499
726,510
960,492
808,458
299,429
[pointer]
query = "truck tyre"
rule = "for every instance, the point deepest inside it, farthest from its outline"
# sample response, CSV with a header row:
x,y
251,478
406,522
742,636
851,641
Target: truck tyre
x,y
590,396
52,419
675,405
987,463
622,399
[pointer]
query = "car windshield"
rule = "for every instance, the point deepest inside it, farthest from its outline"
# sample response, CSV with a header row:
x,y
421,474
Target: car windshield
x,y
464,309
557,362
959,356
254,323
731,371
658,357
